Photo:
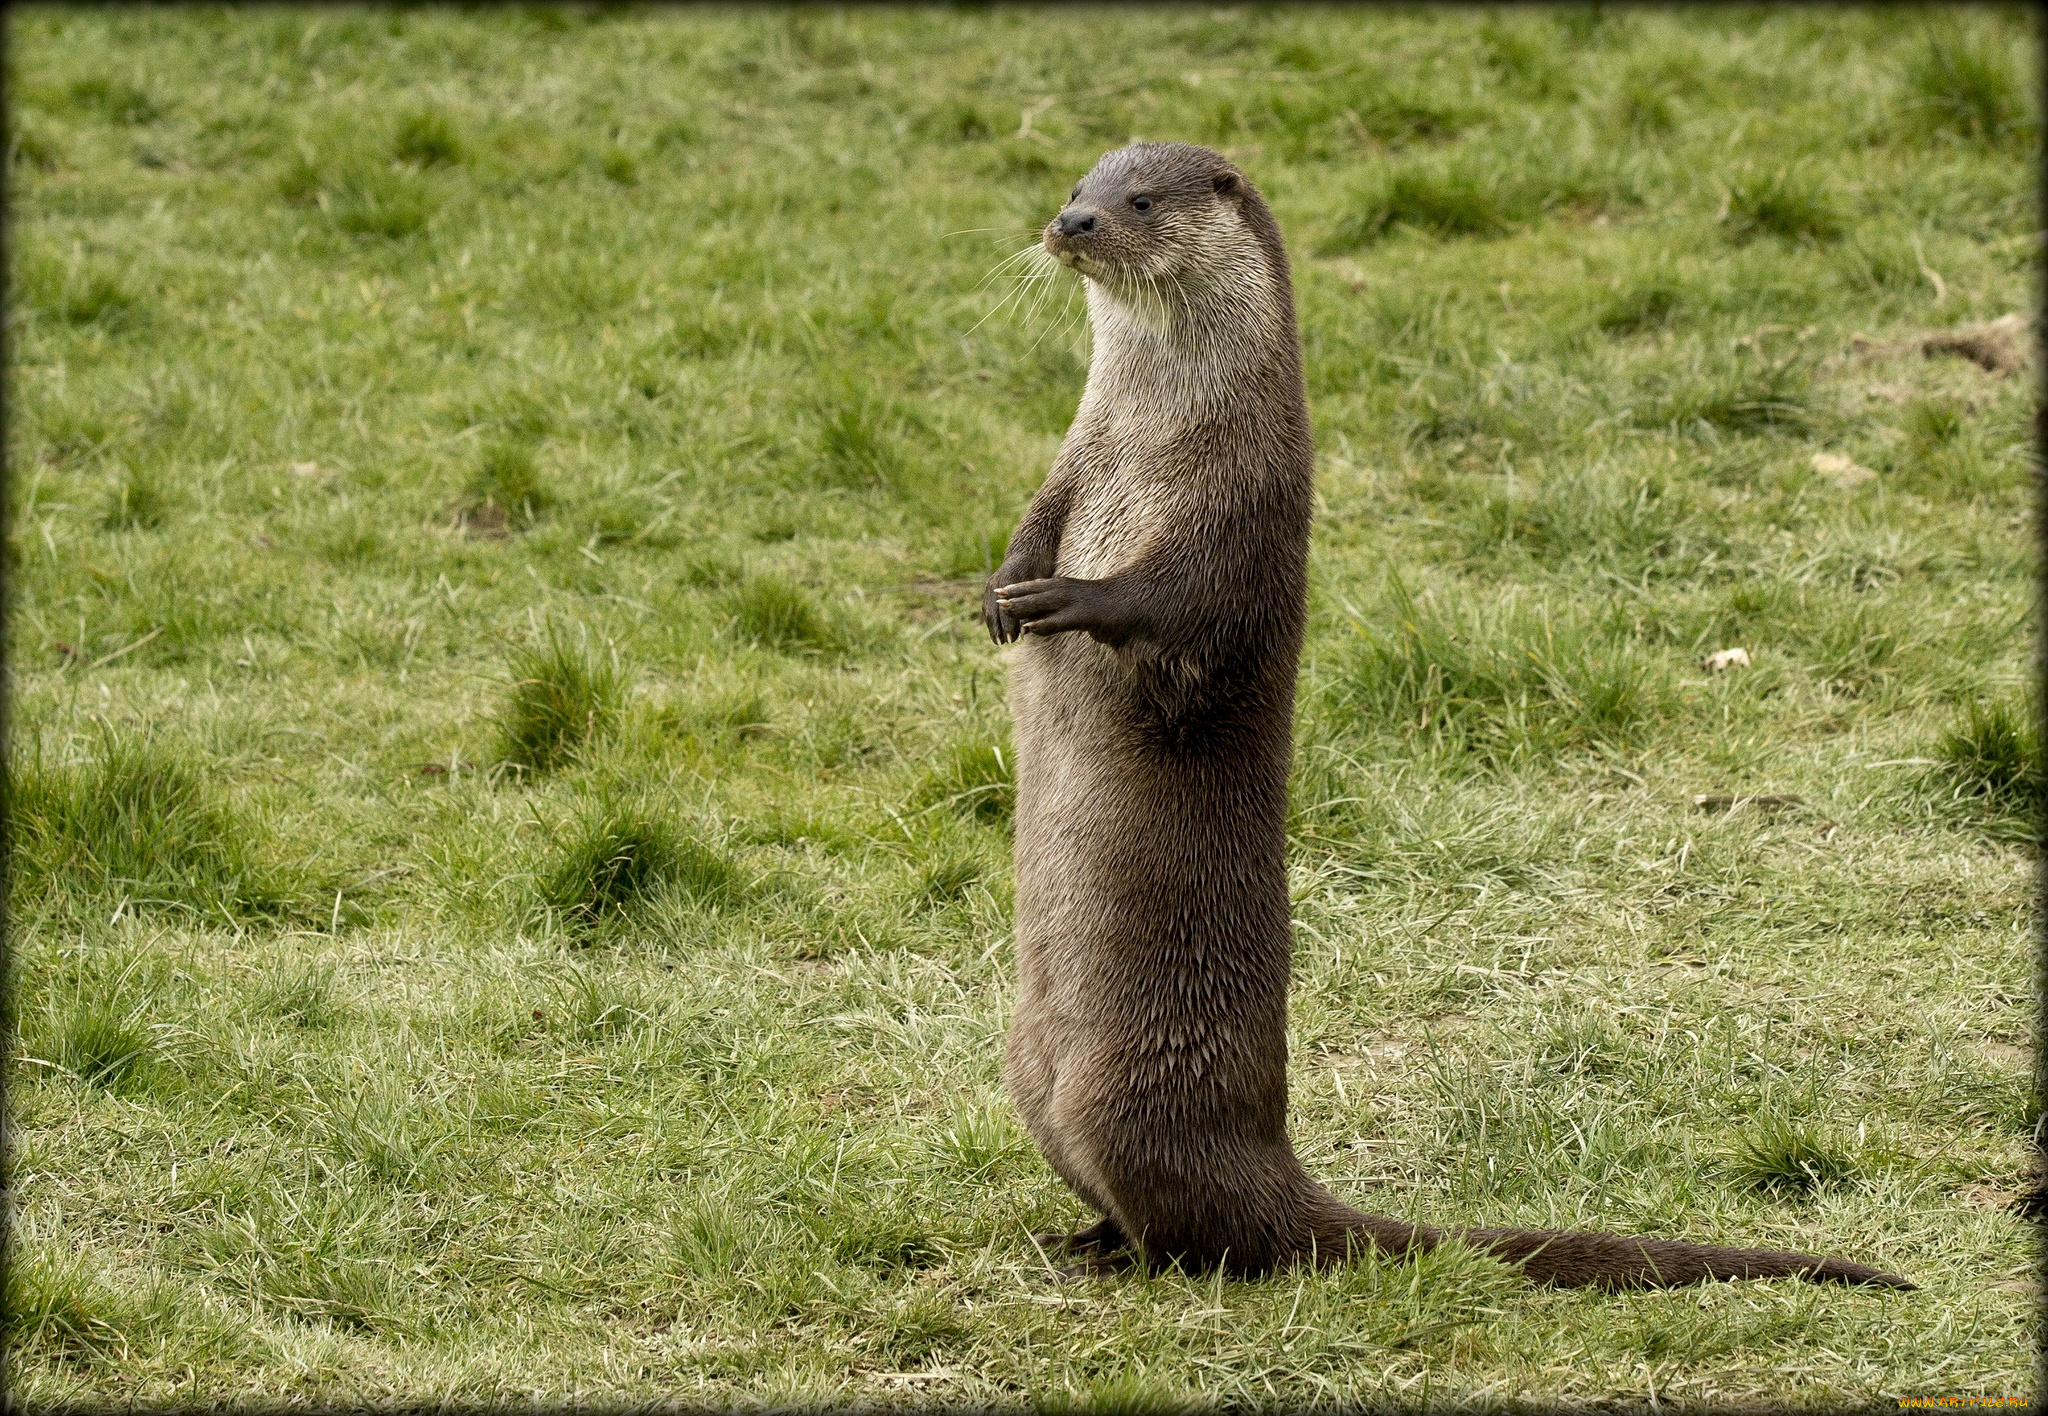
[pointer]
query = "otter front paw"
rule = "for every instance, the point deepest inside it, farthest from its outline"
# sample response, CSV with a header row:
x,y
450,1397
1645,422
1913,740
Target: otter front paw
x,y
1003,626
1062,603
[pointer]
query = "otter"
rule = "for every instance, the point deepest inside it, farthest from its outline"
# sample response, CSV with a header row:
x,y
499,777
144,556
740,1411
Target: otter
x,y
1156,589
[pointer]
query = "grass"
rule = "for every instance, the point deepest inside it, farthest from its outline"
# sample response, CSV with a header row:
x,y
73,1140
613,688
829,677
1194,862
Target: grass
x,y
858,443
770,611
1472,193
1968,89
976,778
511,891
1787,1158
506,486
611,860
303,995
1743,393
1653,304
426,138
136,499
564,695
1792,205
1989,762
137,820
104,1041
1498,684
90,297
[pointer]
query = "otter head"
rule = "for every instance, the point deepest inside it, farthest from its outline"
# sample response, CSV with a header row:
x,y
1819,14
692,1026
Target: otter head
x,y
1166,225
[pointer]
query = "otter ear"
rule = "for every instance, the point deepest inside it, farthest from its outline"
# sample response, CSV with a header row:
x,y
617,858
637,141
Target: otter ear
x,y
1225,184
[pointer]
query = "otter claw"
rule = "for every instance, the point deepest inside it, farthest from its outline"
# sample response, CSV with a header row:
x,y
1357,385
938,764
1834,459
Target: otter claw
x,y
997,613
1098,1266
1095,1252
1103,1236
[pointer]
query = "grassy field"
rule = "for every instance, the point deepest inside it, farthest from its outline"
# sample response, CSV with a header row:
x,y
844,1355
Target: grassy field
x,y
510,889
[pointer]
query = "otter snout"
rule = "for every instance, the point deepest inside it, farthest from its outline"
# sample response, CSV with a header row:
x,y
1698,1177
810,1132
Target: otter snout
x,y
1064,234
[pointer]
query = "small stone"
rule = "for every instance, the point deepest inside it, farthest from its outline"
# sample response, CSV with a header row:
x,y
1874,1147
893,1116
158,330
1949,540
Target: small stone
x,y
1988,1197
1844,471
1721,660
304,469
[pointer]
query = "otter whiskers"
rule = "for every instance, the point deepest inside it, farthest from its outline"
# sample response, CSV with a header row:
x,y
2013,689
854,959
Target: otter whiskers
x,y
1031,274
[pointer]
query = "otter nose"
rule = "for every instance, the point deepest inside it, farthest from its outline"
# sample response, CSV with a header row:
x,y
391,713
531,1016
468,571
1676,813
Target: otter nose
x,y
1076,223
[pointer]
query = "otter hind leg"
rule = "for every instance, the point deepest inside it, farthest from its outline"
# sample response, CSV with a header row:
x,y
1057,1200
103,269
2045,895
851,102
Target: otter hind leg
x,y
1098,1251
1100,1238
1101,1265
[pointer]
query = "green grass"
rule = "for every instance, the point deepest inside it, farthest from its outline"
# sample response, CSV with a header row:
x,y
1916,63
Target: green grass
x,y
1786,1158
135,499
506,486
136,820
426,138
1475,193
769,611
1500,683
607,863
103,1041
1989,762
1793,205
511,895
564,697
976,778
1968,89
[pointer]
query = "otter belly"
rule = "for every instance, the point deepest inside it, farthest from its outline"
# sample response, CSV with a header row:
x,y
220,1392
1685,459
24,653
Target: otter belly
x,y
1150,886
1073,804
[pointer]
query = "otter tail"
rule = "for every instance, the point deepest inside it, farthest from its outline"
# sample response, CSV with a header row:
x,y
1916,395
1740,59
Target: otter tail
x,y
1576,1260
1572,1259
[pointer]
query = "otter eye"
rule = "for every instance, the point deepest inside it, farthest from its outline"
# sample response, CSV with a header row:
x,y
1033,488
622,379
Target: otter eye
x,y
1075,193
1141,203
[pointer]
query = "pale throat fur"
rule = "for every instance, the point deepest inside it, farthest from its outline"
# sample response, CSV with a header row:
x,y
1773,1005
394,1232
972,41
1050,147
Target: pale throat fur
x,y
1177,344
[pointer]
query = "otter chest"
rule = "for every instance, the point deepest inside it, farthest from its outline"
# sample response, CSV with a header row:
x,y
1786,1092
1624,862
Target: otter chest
x,y
1114,514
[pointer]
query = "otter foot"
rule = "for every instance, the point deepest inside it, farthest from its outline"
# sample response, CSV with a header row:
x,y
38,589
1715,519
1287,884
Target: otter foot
x,y
1100,1265
1101,1237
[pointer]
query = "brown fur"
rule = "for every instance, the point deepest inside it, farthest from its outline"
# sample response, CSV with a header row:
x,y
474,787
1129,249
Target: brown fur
x,y
1148,1053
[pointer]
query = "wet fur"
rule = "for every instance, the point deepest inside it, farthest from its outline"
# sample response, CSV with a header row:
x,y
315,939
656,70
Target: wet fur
x,y
1158,585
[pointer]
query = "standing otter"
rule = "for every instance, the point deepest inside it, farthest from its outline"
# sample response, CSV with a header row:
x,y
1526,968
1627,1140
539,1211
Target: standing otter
x,y
1148,1055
